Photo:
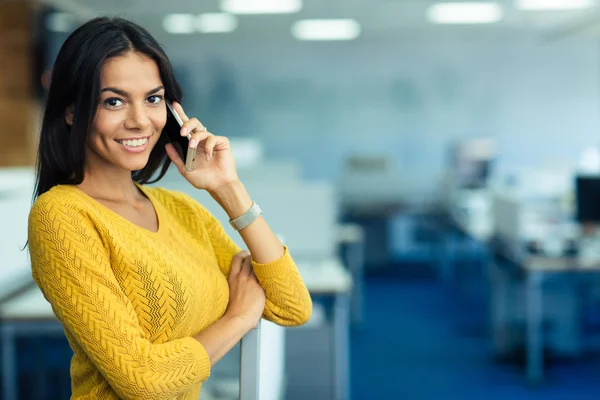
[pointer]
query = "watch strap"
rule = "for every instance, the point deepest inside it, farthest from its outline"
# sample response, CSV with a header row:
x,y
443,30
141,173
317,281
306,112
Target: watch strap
x,y
247,218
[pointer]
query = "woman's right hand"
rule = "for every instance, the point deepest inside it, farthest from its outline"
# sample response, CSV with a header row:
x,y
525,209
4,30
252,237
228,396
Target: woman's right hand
x,y
246,295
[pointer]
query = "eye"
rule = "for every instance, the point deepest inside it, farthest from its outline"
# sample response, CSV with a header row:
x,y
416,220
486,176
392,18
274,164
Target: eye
x,y
155,99
113,102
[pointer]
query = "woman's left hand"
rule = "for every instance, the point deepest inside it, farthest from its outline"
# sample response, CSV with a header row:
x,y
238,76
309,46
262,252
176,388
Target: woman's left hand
x,y
214,165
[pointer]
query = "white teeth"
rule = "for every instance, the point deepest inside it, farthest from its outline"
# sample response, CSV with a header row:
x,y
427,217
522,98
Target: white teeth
x,y
134,143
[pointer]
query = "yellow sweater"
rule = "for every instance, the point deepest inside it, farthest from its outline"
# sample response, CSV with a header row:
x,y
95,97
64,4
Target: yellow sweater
x,y
130,300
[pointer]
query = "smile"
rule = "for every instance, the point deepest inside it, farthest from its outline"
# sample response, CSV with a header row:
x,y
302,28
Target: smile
x,y
133,143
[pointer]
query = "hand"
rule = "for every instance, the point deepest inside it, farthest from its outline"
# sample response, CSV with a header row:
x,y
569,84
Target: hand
x,y
246,295
214,165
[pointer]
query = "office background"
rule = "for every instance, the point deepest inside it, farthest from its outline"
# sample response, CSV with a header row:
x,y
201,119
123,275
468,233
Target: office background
x,y
440,147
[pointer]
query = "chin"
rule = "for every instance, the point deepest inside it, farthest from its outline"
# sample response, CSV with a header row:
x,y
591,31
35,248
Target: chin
x,y
135,162
135,165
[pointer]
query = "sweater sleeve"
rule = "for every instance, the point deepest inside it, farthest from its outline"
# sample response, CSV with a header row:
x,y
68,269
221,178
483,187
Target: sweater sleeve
x,y
72,268
288,301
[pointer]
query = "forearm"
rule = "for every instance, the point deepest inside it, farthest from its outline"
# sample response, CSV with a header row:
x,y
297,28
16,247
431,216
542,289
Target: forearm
x,y
221,336
262,243
288,301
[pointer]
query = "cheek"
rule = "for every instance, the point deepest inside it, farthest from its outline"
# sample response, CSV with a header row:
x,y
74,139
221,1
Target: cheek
x,y
158,119
106,123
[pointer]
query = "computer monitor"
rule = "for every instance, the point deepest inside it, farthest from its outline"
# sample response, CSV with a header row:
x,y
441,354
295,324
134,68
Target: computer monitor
x,y
587,189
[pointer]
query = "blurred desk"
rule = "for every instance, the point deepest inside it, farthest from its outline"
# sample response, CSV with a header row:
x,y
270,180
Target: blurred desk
x,y
327,279
325,276
536,270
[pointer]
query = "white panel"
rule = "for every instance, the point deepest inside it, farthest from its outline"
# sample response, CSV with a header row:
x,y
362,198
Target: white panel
x,y
271,361
303,214
16,189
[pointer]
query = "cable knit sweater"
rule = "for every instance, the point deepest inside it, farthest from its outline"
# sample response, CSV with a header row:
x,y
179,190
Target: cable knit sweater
x,y
130,300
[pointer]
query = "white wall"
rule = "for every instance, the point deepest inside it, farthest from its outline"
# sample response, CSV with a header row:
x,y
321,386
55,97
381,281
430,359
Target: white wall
x,y
405,97
320,102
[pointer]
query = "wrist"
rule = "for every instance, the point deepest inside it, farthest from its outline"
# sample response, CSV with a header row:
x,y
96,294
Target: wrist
x,y
240,322
233,198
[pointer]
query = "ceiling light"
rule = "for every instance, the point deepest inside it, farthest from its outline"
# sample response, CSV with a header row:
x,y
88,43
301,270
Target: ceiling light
x,y
179,24
326,29
261,6
216,23
465,13
554,4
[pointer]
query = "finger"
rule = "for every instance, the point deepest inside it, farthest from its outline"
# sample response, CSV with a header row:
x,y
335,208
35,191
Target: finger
x,y
180,111
236,264
209,146
190,126
198,137
214,143
175,158
247,269
253,275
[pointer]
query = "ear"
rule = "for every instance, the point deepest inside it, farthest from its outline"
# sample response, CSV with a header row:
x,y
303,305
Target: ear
x,y
69,115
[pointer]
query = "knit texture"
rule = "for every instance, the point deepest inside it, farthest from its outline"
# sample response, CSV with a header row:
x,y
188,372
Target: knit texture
x,y
130,300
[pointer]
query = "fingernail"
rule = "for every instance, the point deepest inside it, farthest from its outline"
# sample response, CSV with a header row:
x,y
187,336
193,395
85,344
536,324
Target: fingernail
x,y
208,156
184,131
193,143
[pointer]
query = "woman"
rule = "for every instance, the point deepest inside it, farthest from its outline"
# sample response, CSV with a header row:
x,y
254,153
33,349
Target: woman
x,y
150,290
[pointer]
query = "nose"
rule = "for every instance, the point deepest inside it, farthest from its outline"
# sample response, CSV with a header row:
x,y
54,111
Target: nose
x,y
137,118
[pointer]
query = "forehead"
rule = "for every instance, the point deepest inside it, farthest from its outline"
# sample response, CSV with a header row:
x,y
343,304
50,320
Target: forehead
x,y
133,72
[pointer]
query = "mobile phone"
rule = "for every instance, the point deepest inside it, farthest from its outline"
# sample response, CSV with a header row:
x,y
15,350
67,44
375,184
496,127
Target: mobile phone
x,y
179,142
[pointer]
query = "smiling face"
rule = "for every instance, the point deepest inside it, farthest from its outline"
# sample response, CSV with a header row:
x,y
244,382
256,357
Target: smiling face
x,y
130,116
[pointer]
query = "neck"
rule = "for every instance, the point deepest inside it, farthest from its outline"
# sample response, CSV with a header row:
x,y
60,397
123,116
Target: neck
x,y
109,183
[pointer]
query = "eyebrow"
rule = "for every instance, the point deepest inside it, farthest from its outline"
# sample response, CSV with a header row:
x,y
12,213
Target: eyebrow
x,y
123,93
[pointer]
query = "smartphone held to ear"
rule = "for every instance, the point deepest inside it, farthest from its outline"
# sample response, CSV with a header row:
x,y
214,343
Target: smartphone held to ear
x,y
181,143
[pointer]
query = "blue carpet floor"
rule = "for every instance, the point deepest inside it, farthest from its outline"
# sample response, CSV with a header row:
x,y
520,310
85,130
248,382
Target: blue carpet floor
x,y
412,347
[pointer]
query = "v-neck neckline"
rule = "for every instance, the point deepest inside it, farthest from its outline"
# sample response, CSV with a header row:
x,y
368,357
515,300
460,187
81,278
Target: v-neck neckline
x,y
155,206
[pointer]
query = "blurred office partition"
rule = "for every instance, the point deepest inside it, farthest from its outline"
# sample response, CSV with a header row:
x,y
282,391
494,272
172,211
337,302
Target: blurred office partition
x,y
16,188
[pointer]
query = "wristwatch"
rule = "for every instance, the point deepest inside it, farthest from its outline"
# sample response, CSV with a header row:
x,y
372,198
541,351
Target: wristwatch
x,y
246,218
